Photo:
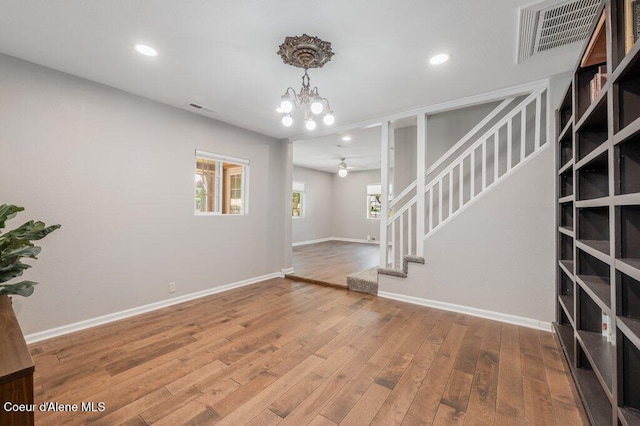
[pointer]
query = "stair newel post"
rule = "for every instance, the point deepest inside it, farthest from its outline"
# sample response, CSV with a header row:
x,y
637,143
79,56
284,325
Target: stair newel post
x,y
384,189
421,154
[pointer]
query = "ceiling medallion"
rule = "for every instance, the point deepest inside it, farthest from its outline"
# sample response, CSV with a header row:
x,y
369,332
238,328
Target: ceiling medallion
x,y
305,52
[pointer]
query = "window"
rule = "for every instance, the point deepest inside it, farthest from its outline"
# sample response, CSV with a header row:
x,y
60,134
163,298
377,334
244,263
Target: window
x,y
297,209
374,203
220,184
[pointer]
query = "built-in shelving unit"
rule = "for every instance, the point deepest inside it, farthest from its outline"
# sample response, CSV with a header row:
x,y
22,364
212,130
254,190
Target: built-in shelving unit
x,y
598,218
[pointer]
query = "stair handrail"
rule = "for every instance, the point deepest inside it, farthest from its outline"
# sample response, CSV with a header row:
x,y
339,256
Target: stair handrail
x,y
470,134
515,111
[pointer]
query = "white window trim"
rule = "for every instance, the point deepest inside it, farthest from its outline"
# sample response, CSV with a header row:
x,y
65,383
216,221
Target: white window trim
x,y
372,189
300,187
245,181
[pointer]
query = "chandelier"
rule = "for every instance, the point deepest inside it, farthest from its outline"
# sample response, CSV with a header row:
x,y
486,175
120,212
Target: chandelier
x,y
305,52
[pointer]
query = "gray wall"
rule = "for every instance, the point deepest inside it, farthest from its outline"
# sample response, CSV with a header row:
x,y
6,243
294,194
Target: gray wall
x,y
350,205
117,171
445,129
318,213
498,255
336,207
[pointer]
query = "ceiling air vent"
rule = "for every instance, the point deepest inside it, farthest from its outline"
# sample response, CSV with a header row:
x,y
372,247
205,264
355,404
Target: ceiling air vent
x,y
548,25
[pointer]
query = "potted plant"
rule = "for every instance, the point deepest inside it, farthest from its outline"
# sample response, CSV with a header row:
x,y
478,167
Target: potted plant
x,y
16,245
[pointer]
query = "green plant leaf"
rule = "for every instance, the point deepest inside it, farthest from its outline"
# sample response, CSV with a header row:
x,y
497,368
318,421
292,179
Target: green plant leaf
x,y
31,231
19,251
14,270
16,245
23,288
8,211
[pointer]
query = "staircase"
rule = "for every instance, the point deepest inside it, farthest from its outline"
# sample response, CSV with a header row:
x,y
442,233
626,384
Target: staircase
x,y
504,141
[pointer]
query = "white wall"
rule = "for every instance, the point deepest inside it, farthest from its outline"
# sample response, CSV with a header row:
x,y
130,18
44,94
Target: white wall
x,y
117,172
499,254
318,210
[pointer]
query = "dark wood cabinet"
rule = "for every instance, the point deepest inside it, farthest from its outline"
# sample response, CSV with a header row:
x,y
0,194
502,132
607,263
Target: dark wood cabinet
x,y
16,368
598,219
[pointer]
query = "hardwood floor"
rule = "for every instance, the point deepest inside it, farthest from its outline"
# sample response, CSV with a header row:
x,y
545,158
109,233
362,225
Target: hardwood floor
x,y
286,352
331,261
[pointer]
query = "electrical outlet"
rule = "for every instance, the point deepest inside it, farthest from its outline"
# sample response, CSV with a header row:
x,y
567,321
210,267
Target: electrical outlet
x,y
172,287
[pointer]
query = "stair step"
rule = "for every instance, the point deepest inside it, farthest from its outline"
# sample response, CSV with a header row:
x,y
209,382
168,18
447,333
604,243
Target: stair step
x,y
402,273
364,281
392,272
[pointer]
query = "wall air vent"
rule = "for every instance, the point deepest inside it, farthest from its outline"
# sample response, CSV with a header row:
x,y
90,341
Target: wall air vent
x,y
199,107
549,25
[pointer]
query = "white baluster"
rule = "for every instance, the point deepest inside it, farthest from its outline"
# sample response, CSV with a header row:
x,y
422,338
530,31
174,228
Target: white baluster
x,y
509,144
538,117
496,156
484,165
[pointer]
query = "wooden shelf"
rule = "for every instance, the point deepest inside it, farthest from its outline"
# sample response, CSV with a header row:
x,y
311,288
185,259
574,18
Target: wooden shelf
x,y
630,327
566,199
593,251
628,131
566,247
596,51
602,147
629,231
566,231
592,107
628,295
593,178
630,267
566,132
601,246
629,416
626,199
566,167
565,335
594,202
630,377
566,216
598,218
596,402
628,156
601,354
598,290
567,304
566,183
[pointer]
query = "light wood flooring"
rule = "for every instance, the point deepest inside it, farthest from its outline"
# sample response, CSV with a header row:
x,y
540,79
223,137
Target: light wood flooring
x,y
331,261
286,352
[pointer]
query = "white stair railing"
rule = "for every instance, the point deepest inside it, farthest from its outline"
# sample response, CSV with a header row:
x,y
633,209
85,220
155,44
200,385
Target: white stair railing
x,y
488,160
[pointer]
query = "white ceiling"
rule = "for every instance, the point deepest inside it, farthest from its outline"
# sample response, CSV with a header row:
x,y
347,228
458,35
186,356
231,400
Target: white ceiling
x,y
222,54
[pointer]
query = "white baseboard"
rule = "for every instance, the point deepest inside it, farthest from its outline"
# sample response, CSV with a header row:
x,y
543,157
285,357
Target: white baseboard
x,y
93,322
304,243
322,240
355,240
286,271
497,316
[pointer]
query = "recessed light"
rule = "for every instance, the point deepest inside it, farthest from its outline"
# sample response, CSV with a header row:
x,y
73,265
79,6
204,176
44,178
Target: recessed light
x,y
145,50
346,138
440,58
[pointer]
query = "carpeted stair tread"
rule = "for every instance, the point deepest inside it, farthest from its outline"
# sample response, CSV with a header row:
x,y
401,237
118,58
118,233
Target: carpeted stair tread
x,y
402,273
364,281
